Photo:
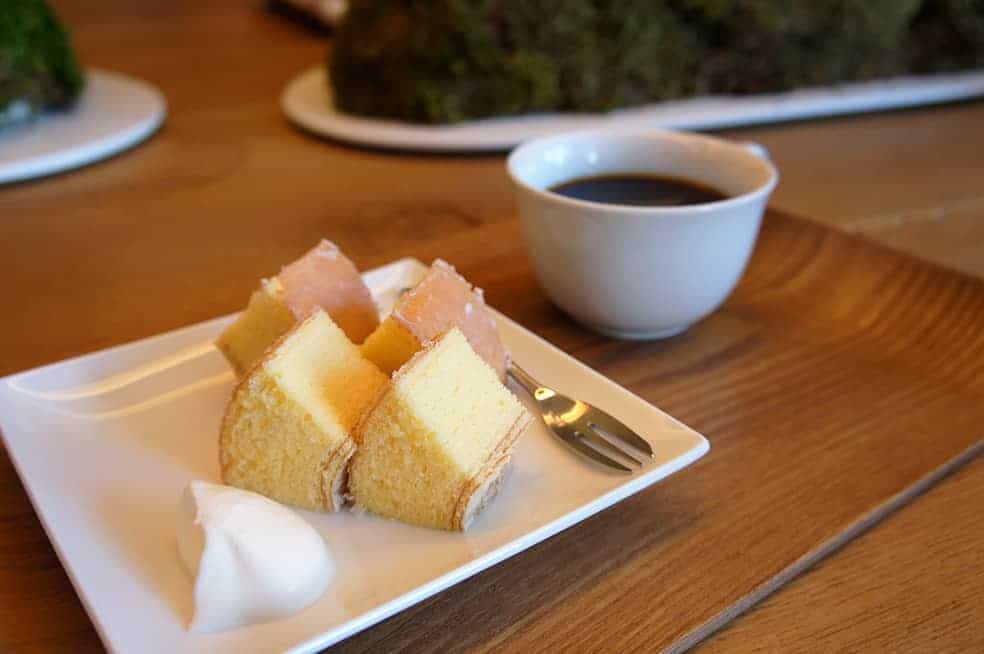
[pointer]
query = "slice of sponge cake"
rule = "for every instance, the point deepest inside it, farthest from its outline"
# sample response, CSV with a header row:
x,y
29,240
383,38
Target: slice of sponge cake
x,y
287,428
265,319
433,448
441,300
322,278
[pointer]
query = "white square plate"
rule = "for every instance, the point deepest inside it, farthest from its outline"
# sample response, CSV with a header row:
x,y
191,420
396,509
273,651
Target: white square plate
x,y
106,443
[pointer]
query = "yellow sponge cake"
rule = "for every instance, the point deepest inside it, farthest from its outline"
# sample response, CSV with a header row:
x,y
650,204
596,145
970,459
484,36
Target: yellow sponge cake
x,y
433,448
287,428
323,278
265,319
441,300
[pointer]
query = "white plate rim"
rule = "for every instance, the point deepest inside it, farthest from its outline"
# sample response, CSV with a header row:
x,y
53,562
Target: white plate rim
x,y
142,112
307,100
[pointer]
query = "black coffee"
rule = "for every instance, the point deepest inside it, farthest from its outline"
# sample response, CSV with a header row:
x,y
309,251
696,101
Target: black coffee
x,y
639,190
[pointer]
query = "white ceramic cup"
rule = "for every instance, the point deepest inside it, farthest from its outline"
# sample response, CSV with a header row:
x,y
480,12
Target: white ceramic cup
x,y
640,272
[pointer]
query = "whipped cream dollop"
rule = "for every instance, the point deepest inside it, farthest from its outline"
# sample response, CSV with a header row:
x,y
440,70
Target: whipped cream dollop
x,y
252,559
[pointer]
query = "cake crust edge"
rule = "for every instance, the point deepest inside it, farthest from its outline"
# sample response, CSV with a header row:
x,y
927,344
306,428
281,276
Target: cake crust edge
x,y
478,491
334,475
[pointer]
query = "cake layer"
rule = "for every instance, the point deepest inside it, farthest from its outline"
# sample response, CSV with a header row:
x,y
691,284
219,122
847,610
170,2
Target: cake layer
x,y
287,429
265,319
326,278
434,446
441,300
323,278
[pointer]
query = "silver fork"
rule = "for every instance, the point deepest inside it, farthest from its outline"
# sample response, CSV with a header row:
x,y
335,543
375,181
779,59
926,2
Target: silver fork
x,y
584,428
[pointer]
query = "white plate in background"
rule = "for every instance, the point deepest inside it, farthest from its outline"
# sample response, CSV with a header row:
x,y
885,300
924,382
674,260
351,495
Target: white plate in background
x,y
308,100
114,113
105,444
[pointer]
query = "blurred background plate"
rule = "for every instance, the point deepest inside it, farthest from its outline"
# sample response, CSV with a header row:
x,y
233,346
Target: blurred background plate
x,y
308,101
114,113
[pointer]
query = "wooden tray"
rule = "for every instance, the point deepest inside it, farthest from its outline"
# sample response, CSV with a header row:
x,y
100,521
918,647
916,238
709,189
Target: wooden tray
x,y
839,381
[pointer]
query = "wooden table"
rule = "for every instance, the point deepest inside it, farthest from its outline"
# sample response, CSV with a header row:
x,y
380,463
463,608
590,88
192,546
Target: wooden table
x,y
178,230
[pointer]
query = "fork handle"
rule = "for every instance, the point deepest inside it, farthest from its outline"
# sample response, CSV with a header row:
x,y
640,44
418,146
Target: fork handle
x,y
523,378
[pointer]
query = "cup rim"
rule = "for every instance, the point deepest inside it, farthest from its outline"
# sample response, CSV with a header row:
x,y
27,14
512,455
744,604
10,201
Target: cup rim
x,y
637,210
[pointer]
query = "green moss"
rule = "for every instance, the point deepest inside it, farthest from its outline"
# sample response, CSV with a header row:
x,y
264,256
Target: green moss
x,y
451,60
947,35
38,69
754,47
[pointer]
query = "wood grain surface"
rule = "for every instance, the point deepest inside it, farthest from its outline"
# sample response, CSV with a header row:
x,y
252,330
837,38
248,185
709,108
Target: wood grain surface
x,y
837,379
829,385
822,404
862,599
